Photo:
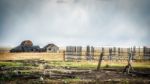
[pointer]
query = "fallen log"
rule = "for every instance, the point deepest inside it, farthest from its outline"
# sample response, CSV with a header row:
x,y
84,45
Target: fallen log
x,y
57,76
129,69
143,74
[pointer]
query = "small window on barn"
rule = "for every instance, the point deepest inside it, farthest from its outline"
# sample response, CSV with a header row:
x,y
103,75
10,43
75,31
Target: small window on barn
x,y
49,49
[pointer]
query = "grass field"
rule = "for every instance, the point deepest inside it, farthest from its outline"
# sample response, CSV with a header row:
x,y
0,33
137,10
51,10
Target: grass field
x,y
28,68
66,72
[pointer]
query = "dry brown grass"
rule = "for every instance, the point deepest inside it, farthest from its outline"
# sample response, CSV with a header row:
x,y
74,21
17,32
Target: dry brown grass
x,y
59,56
23,56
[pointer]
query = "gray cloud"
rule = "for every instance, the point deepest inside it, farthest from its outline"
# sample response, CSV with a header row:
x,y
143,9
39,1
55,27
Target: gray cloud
x,y
77,22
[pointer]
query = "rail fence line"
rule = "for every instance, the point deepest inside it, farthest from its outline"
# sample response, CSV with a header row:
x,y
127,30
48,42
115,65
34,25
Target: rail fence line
x,y
80,53
90,53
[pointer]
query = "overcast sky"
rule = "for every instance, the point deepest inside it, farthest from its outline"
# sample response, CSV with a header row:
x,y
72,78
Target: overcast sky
x,y
75,22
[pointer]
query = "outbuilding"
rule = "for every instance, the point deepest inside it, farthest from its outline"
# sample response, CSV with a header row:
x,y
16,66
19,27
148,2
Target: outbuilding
x,y
51,48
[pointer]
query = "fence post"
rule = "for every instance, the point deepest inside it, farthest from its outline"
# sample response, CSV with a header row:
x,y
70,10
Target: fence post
x,y
139,53
92,52
114,54
134,53
79,52
128,51
87,52
63,55
100,61
119,53
110,54
144,52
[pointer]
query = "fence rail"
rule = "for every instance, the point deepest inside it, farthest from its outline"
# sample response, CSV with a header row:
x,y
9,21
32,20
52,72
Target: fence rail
x,y
80,53
90,53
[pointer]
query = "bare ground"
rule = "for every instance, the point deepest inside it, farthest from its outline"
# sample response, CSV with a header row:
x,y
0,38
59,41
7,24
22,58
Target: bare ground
x,y
38,74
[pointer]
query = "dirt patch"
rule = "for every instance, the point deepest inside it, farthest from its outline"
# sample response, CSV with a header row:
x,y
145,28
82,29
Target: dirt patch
x,y
39,72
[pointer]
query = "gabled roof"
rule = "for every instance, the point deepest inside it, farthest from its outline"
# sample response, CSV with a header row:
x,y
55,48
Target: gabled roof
x,y
26,43
50,45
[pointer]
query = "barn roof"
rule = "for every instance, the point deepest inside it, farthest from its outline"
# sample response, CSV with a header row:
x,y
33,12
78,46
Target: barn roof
x,y
50,45
26,43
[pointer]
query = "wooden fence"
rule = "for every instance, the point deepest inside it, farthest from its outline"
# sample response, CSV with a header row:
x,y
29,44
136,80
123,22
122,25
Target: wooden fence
x,y
113,53
79,53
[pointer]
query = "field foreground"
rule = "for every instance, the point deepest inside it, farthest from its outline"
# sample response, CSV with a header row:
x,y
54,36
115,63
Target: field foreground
x,y
59,72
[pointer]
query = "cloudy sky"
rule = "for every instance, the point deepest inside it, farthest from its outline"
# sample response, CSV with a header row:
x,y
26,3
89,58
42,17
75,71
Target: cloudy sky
x,y
75,22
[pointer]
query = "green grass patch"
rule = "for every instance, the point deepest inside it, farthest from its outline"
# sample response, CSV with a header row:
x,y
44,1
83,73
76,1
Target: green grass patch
x,y
93,65
80,64
72,64
14,64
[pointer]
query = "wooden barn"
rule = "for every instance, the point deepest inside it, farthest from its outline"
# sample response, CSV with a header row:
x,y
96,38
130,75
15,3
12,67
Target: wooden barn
x,y
26,46
51,48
